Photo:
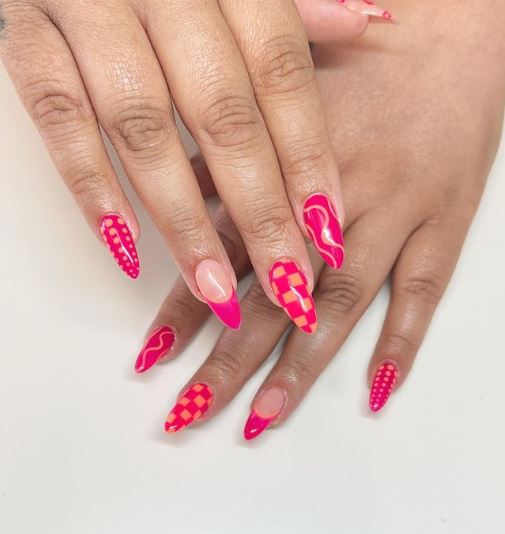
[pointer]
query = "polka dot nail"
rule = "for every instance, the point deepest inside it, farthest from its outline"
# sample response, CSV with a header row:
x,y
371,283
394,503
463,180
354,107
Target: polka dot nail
x,y
119,241
384,380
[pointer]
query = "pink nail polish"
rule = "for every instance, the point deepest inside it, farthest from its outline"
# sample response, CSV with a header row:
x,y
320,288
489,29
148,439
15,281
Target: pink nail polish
x,y
119,240
268,407
384,380
193,403
367,7
289,285
158,345
217,289
322,224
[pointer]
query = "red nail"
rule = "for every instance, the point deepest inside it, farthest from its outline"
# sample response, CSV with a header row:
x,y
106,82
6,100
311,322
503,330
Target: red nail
x,y
119,240
289,285
157,346
194,402
267,408
384,380
324,229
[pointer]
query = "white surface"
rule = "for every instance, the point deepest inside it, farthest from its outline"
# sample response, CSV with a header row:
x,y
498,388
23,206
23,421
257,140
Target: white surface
x,y
82,449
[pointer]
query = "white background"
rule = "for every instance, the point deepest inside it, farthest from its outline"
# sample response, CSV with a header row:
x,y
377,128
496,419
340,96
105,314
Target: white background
x,y
82,449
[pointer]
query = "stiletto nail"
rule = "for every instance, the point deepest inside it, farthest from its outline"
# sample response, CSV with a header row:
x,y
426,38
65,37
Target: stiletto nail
x,y
157,346
367,7
216,287
322,224
194,402
289,285
384,380
269,405
119,240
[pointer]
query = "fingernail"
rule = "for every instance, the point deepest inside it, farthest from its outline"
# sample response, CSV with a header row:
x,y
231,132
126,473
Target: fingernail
x,y
268,406
384,380
157,346
322,224
194,402
367,7
119,240
290,287
217,289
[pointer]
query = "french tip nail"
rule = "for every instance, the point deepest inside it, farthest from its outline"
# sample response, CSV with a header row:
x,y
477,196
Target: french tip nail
x,y
228,312
255,426
382,386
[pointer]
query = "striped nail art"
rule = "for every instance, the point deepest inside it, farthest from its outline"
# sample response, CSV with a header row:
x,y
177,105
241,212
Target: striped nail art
x,y
194,402
289,285
119,240
384,380
157,346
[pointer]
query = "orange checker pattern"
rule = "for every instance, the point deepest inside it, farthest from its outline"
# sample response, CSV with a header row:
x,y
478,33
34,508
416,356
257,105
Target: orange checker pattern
x,y
289,285
195,401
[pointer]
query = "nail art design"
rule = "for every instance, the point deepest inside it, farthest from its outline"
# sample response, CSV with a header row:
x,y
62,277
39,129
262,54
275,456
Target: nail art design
x,y
322,224
119,240
194,402
157,346
216,287
367,7
289,285
384,380
267,408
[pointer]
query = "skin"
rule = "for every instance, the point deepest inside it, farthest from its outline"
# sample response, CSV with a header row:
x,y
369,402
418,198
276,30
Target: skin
x,y
415,128
242,79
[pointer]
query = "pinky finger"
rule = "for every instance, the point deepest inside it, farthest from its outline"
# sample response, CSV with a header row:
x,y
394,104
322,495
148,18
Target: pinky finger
x,y
419,280
49,84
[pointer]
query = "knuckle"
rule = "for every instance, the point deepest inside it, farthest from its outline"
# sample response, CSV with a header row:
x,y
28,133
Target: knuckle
x,y
143,128
298,369
283,66
427,289
397,343
266,223
226,363
86,184
184,225
258,305
306,159
341,293
230,121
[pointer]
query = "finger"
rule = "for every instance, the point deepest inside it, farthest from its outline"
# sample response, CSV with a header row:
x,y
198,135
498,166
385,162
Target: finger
x,y
342,296
279,62
48,81
133,103
218,105
420,277
181,315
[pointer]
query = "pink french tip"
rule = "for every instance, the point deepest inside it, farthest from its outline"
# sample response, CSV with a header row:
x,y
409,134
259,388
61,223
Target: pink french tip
x,y
156,347
228,312
255,426
368,7
119,240
384,380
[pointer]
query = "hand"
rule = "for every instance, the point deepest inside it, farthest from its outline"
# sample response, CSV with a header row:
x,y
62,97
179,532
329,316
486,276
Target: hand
x,y
415,127
243,82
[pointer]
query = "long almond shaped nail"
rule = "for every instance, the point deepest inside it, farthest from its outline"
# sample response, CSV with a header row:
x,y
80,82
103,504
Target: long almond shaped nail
x,y
193,403
267,408
321,222
290,287
119,241
367,7
217,289
384,380
157,345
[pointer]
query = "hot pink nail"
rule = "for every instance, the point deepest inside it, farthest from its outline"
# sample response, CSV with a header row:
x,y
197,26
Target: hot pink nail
x,y
158,344
217,289
322,224
384,380
367,7
119,240
268,407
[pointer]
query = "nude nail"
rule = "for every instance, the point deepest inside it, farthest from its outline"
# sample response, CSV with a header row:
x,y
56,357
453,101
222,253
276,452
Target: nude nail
x,y
367,7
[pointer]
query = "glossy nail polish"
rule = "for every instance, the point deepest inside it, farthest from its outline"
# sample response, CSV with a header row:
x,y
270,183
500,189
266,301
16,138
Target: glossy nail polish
x,y
268,406
119,240
384,380
289,285
158,345
367,7
217,289
194,402
322,224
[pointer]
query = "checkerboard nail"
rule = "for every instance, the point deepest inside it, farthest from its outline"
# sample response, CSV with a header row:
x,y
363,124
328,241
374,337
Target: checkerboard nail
x,y
194,402
384,380
289,285
119,241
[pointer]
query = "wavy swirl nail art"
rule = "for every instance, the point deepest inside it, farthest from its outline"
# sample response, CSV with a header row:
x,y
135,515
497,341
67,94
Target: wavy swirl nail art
x,y
322,225
157,346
